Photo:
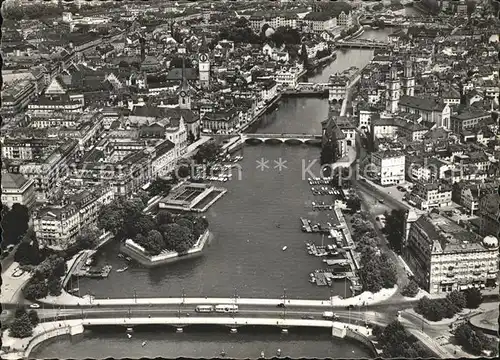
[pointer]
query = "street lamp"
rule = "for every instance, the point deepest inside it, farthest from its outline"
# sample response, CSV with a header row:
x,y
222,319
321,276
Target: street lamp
x,y
135,296
129,313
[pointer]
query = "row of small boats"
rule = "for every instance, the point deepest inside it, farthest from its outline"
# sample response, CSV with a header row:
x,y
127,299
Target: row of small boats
x,y
319,181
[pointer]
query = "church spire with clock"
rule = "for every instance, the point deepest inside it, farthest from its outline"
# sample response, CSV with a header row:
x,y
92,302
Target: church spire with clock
x,y
204,64
184,93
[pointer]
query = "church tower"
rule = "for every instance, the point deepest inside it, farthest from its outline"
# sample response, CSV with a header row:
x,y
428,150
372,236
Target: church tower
x,y
408,87
204,65
393,88
184,93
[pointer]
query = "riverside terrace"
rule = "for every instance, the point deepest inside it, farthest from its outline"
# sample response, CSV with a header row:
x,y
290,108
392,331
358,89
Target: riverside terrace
x,y
192,197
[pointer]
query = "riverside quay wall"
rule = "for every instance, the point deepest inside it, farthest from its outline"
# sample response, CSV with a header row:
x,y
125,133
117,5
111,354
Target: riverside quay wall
x,y
137,253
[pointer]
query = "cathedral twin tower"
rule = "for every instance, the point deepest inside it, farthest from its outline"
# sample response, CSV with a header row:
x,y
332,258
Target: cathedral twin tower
x,y
397,87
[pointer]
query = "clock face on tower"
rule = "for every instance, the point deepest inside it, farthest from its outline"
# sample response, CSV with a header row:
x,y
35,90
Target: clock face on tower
x,y
183,94
203,57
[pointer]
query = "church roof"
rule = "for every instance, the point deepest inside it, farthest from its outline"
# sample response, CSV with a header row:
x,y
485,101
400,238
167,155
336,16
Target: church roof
x,y
176,74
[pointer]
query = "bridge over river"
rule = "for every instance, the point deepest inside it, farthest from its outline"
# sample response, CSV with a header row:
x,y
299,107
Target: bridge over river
x,y
282,138
361,44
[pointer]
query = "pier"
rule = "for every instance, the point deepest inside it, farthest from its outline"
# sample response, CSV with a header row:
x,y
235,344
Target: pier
x,y
306,227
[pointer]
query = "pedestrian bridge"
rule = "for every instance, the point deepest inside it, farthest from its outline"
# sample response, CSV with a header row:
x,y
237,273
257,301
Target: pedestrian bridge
x,y
282,138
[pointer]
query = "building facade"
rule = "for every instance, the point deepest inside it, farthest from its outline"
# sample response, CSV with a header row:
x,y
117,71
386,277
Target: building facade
x,y
444,257
389,167
17,189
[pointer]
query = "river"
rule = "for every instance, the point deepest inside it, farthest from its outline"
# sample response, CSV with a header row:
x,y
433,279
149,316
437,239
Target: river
x,y
257,217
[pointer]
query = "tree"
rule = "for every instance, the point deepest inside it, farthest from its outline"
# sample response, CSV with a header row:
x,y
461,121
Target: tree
x,y
21,327
54,286
164,217
33,316
394,229
20,311
207,153
354,203
14,224
154,242
473,341
473,298
159,186
397,343
411,289
457,298
177,237
200,225
88,236
36,289
186,223
27,253
143,225
120,216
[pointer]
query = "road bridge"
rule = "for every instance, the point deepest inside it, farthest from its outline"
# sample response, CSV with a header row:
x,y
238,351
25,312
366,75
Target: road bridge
x,y
282,138
360,44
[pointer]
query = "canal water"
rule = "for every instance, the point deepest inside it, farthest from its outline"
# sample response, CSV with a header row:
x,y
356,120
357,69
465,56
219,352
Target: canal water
x,y
254,220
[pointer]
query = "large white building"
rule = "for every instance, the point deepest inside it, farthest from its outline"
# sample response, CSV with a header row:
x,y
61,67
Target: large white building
x,y
389,167
444,256
56,227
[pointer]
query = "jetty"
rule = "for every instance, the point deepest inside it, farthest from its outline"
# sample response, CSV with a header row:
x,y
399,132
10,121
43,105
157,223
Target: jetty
x,y
92,272
306,226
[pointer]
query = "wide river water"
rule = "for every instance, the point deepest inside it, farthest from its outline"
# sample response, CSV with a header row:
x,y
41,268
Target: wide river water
x,y
257,217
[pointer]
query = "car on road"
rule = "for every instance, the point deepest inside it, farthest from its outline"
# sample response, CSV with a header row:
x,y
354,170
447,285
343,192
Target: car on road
x,y
281,305
381,201
308,317
348,307
35,306
363,180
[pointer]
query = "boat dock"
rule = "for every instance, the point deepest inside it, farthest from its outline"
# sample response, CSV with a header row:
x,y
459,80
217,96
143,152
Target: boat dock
x,y
306,227
92,272
331,262
322,206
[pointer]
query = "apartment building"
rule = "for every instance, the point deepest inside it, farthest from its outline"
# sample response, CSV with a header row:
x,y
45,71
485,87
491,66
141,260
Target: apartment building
x,y
164,159
468,194
489,214
56,227
46,169
17,189
288,77
17,97
221,121
444,256
428,195
389,167
320,21
337,88
467,120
